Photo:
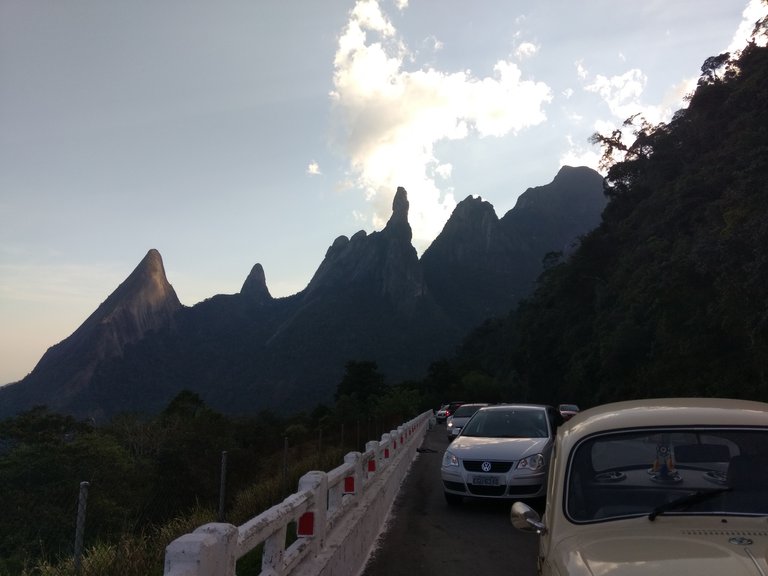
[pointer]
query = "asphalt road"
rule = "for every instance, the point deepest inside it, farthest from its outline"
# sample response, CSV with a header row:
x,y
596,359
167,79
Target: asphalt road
x,y
426,536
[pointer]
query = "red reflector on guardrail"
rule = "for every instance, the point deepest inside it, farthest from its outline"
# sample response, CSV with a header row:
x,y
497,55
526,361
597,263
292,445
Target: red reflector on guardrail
x,y
386,452
349,485
371,465
306,527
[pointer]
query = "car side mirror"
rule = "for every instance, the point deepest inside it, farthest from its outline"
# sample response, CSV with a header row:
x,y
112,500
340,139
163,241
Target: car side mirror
x,y
526,519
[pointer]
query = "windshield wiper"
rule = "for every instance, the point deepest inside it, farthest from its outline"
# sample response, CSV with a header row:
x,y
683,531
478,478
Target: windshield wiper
x,y
687,500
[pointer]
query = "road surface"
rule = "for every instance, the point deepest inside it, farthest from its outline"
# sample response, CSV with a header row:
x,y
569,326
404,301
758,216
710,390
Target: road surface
x,y
426,536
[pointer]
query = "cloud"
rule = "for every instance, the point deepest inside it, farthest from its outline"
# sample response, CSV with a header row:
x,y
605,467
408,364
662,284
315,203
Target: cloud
x,y
391,118
313,169
621,93
581,71
755,10
580,155
526,50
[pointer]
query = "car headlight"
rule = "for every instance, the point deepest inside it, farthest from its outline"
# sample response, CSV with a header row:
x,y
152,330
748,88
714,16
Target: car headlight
x,y
450,424
450,459
533,463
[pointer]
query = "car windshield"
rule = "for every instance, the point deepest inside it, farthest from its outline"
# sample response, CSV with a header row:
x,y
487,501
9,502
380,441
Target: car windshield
x,y
466,410
508,423
671,471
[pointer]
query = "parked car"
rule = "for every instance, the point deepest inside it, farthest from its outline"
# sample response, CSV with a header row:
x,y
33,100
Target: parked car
x,y
441,414
446,410
458,419
667,487
502,452
568,411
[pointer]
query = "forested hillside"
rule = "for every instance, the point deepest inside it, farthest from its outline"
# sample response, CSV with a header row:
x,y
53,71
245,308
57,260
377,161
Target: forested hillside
x,y
669,296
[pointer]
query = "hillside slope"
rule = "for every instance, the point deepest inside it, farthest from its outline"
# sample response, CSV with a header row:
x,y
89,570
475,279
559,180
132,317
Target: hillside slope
x,y
669,295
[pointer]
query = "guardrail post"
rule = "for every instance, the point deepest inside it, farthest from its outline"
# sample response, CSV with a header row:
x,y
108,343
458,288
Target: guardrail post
x,y
385,449
274,552
373,447
356,460
315,519
210,550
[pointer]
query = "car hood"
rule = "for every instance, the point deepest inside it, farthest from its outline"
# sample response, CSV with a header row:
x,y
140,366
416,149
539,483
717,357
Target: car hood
x,y
460,420
666,552
473,448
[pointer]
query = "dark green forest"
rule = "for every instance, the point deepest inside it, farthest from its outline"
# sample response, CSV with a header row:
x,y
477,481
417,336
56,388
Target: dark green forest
x,y
667,297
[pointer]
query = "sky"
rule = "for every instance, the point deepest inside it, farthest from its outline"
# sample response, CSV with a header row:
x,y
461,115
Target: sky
x,y
230,133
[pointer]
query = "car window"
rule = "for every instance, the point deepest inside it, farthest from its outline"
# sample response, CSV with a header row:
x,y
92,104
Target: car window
x,y
513,423
465,410
633,473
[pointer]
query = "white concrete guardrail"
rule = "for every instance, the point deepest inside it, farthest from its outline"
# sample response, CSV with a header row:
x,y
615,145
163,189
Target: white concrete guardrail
x,y
338,516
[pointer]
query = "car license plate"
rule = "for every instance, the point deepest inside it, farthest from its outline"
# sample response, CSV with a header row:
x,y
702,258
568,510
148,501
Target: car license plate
x,y
485,480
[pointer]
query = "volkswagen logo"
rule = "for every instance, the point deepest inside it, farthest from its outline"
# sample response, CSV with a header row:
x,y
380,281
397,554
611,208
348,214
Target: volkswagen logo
x,y
485,466
740,541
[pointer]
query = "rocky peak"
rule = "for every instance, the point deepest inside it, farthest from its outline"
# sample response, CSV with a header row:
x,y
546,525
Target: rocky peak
x,y
255,286
398,225
384,259
144,301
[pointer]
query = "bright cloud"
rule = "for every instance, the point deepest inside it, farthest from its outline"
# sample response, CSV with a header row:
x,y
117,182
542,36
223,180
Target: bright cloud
x,y
755,10
526,50
392,117
314,168
620,93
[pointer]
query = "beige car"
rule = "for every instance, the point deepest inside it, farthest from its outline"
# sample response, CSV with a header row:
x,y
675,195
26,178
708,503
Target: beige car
x,y
661,487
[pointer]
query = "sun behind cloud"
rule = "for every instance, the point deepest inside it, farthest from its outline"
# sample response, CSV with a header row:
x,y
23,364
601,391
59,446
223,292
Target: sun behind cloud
x,y
390,118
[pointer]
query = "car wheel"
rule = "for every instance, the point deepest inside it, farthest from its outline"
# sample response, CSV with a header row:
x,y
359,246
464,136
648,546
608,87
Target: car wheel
x,y
453,499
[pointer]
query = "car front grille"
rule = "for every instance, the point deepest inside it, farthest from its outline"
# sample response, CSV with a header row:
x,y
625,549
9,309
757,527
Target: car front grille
x,y
496,467
486,490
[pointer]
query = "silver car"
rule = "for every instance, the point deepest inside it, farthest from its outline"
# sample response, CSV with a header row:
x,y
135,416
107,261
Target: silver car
x,y
458,419
502,452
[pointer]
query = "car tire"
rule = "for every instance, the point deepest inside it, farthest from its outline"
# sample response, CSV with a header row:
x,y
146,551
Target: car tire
x,y
453,499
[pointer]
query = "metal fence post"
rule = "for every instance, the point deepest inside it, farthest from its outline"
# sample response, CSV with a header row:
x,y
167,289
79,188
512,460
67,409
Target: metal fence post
x,y
222,486
285,467
80,528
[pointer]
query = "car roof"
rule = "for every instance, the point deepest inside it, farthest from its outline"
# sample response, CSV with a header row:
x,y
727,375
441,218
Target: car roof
x,y
667,412
513,406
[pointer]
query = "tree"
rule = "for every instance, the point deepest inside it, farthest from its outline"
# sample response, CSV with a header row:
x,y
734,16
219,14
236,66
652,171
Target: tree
x,y
361,381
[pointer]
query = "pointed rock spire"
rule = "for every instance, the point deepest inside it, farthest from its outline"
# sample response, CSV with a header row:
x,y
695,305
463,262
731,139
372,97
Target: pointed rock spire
x,y
398,223
255,286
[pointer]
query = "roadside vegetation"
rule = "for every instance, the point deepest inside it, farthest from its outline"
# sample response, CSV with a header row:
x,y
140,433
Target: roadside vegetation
x,y
154,479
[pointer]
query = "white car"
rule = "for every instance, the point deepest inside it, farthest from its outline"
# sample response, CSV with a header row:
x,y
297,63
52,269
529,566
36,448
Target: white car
x,y
663,487
460,417
502,452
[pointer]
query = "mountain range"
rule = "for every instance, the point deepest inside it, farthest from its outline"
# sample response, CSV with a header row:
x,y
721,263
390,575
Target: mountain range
x,y
371,299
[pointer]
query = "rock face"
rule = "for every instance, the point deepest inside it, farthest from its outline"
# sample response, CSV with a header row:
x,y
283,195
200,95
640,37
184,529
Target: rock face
x,y
144,302
371,298
480,266
255,286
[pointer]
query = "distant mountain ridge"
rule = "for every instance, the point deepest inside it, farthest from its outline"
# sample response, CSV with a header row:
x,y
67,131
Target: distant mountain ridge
x,y
371,298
